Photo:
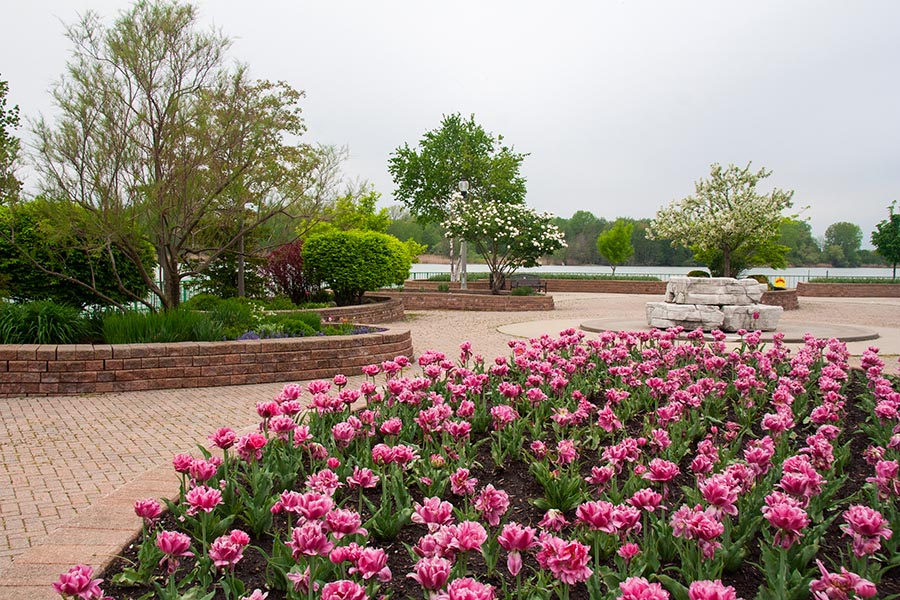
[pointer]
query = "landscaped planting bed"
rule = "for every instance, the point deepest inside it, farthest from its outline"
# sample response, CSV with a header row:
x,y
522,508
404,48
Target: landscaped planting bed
x,y
630,465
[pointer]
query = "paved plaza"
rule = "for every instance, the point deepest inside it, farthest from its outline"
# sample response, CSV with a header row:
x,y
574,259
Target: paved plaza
x,y
72,467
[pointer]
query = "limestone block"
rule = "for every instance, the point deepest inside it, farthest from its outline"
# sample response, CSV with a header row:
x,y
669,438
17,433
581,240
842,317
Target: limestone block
x,y
714,291
663,315
742,317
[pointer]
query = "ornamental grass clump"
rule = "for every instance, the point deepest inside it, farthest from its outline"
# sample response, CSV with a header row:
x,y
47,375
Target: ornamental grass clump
x,y
627,465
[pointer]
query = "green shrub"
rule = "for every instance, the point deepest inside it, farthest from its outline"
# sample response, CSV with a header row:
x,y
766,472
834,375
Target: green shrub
x,y
697,273
201,302
178,325
41,322
354,262
578,276
279,303
761,279
236,316
524,290
443,287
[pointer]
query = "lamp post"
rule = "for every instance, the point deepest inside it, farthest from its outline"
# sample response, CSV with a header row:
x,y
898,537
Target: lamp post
x,y
241,291
463,247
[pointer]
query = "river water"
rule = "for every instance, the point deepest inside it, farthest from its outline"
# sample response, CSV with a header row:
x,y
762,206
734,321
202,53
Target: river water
x,y
791,276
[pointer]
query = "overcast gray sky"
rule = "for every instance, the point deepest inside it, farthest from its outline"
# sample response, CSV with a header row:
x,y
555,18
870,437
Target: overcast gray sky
x,y
621,105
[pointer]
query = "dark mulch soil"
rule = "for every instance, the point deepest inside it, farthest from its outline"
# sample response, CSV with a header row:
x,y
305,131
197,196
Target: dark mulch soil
x,y
521,486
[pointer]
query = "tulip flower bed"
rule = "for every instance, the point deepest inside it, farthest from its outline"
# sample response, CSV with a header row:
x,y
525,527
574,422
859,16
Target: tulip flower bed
x,y
629,465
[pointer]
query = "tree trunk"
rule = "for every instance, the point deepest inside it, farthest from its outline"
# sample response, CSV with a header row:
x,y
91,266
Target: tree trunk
x,y
726,262
498,282
454,261
171,284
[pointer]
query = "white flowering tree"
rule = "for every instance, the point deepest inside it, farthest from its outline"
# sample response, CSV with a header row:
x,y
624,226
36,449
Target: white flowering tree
x,y
507,236
726,218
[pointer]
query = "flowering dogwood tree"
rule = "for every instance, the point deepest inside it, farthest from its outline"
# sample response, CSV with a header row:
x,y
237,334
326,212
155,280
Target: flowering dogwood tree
x,y
507,236
725,216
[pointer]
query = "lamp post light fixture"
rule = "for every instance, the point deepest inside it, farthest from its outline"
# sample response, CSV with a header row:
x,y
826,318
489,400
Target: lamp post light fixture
x,y
463,187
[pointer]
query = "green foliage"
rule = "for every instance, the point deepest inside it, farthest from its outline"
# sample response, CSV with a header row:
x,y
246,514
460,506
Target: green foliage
x,y
761,279
9,148
201,301
427,176
580,276
797,235
235,316
41,322
40,237
220,278
353,210
851,280
886,238
614,244
522,291
698,273
353,262
165,140
726,217
405,226
842,242
177,325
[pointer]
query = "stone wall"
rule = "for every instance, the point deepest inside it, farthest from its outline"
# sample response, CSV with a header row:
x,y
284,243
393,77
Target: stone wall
x,y
600,286
414,300
29,369
382,310
786,299
849,290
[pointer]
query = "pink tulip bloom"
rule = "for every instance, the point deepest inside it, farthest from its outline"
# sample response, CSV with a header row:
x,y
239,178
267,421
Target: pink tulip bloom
x,y
600,475
466,536
566,560
638,588
257,594
324,481
309,540
362,478
628,551
492,503
646,499
625,519
867,527
711,590
466,588
432,573
148,509
759,453
282,426
78,581
661,470
698,524
461,484
343,590
843,586
182,463
173,544
432,512
554,520
502,415
249,447
203,470
597,516
372,562
203,498
786,516
227,550
343,522
566,452
223,438
721,493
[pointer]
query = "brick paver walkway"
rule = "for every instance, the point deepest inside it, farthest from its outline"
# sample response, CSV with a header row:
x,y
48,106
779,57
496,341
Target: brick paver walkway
x,y
72,467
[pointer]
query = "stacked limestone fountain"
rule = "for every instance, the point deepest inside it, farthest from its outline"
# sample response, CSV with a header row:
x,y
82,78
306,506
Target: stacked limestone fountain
x,y
709,303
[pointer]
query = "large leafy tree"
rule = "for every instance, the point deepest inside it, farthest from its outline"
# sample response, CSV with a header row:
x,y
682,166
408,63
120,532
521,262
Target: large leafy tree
x,y
726,215
614,244
507,236
842,242
886,238
427,175
161,140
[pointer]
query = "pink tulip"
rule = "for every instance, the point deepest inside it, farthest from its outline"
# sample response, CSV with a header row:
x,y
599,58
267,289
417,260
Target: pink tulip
x,y
372,562
638,588
661,470
203,498
646,499
432,512
711,590
249,447
597,516
466,588
843,586
432,573
173,544
309,540
227,550
148,509
461,484
343,590
343,522
362,478
867,527
566,560
466,536
492,503
786,516
223,438
516,539
78,581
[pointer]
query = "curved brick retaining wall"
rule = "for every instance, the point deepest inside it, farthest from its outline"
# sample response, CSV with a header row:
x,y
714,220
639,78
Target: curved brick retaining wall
x,y
382,310
603,286
849,290
81,369
471,300
786,299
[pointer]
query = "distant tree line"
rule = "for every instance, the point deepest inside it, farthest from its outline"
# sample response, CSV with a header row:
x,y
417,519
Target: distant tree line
x,y
840,246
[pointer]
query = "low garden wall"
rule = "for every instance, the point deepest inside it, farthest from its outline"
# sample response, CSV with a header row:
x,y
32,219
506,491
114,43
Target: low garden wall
x,y
41,370
600,286
849,290
786,299
472,300
382,310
